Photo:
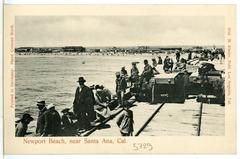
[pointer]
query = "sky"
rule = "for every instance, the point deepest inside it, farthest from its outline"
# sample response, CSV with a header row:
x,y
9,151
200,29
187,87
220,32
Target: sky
x,y
58,31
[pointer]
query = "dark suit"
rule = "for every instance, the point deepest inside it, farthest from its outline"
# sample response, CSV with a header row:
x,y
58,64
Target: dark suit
x,y
68,125
83,106
52,125
40,122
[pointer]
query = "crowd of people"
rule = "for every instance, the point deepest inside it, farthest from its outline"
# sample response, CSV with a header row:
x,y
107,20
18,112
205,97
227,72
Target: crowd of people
x,y
92,104
48,122
89,107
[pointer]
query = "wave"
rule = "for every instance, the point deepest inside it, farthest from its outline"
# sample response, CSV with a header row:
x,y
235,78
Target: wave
x,y
32,89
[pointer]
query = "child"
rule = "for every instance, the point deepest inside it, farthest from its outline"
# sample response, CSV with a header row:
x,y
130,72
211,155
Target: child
x,y
125,122
22,126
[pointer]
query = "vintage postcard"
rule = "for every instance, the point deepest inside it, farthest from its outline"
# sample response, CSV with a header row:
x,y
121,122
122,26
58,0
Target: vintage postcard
x,y
83,79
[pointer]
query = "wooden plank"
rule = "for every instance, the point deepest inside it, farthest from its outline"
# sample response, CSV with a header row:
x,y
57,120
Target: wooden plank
x,y
173,120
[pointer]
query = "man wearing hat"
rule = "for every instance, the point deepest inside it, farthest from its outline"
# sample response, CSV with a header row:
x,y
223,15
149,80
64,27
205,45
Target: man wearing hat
x,y
160,60
134,73
67,122
147,72
52,121
22,125
121,86
154,64
40,121
83,105
178,55
124,72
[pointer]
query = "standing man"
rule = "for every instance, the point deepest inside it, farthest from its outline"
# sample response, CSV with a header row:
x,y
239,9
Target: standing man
x,y
171,64
177,56
83,105
154,63
159,60
189,55
147,72
40,121
124,72
168,64
121,86
52,119
134,73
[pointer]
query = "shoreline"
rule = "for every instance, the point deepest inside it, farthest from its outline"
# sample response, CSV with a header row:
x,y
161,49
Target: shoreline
x,y
90,54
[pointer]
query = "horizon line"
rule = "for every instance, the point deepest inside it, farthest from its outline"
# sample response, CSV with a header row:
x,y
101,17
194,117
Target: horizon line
x,y
127,46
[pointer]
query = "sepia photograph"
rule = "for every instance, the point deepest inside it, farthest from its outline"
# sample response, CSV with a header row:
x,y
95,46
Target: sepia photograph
x,y
126,79
120,76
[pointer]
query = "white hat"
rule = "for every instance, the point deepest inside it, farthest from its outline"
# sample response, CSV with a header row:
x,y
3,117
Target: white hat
x,y
50,105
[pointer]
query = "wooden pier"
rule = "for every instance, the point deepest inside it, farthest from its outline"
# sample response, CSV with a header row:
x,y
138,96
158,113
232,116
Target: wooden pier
x,y
172,119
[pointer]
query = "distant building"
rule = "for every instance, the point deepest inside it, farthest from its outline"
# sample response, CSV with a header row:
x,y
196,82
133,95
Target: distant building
x,y
39,49
44,50
143,49
97,50
24,49
171,48
74,49
197,49
156,51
